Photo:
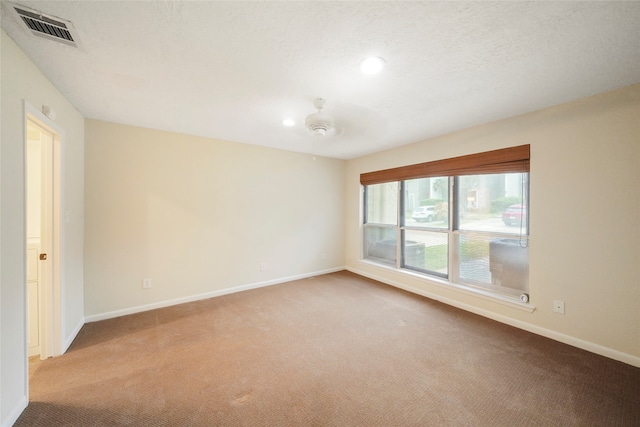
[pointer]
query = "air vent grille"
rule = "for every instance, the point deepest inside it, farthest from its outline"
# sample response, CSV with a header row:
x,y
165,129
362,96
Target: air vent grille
x,y
47,27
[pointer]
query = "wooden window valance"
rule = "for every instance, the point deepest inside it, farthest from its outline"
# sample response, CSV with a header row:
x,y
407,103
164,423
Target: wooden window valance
x,y
506,160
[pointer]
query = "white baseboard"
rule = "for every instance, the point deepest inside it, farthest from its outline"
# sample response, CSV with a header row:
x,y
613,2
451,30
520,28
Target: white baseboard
x,y
206,295
557,336
72,336
15,413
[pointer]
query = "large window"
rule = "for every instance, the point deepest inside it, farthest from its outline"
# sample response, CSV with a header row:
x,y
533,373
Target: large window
x,y
463,219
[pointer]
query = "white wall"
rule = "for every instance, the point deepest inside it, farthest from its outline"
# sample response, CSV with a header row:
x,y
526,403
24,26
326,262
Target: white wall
x,y
199,216
21,81
585,219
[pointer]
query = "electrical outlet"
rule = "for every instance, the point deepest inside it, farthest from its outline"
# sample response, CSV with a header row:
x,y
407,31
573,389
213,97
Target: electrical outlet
x,y
558,307
323,255
146,283
263,266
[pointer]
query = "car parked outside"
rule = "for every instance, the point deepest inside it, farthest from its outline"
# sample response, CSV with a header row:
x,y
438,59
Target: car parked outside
x,y
515,215
424,213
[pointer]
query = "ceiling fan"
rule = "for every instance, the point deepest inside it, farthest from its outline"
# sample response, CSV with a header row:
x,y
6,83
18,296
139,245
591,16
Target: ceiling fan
x,y
320,123
340,121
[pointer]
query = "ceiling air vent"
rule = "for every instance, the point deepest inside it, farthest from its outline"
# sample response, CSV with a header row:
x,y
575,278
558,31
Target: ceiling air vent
x,y
48,27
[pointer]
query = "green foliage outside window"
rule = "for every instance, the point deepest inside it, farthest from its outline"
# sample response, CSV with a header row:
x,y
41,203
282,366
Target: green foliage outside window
x,y
430,202
474,249
435,257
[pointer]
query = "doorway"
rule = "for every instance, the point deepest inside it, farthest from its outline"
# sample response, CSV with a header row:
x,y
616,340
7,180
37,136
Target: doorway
x,y
43,140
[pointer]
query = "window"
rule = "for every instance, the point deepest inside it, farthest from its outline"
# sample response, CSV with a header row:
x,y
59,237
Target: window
x,y
462,219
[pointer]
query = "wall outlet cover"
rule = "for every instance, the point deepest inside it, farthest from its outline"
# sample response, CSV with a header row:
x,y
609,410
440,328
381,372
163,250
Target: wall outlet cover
x,y
558,306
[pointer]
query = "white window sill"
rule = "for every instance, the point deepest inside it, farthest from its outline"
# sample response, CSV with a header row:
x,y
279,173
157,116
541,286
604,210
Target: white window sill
x,y
512,302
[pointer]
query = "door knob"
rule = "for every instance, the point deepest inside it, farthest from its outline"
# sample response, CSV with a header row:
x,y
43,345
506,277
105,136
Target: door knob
x,y
43,257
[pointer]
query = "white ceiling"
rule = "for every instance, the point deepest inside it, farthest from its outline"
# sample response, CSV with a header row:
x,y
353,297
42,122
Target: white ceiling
x,y
234,70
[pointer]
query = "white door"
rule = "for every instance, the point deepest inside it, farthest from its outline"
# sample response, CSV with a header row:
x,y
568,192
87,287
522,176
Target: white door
x,y
34,185
42,238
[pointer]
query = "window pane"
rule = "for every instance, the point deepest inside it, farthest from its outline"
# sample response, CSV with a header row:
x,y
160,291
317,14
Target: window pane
x,y
509,263
380,244
426,250
494,202
496,263
382,203
427,202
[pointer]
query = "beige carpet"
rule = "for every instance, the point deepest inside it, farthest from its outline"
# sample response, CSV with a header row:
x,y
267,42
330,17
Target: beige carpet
x,y
335,350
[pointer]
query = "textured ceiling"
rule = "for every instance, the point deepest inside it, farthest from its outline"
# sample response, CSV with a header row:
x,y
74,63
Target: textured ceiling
x,y
234,70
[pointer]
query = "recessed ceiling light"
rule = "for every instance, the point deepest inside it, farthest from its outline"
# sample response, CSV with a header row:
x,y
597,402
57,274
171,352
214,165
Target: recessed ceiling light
x,y
372,65
288,122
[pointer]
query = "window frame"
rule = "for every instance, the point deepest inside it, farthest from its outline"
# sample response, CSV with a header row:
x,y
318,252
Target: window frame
x,y
503,161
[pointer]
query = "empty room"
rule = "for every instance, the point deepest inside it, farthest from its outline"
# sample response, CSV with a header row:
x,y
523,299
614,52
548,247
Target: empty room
x,y
318,213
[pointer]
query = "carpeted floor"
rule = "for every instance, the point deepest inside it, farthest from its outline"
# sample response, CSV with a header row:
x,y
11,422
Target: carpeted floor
x,y
335,350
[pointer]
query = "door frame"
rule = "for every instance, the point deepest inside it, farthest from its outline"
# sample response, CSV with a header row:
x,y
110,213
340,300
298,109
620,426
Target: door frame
x,y
52,243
